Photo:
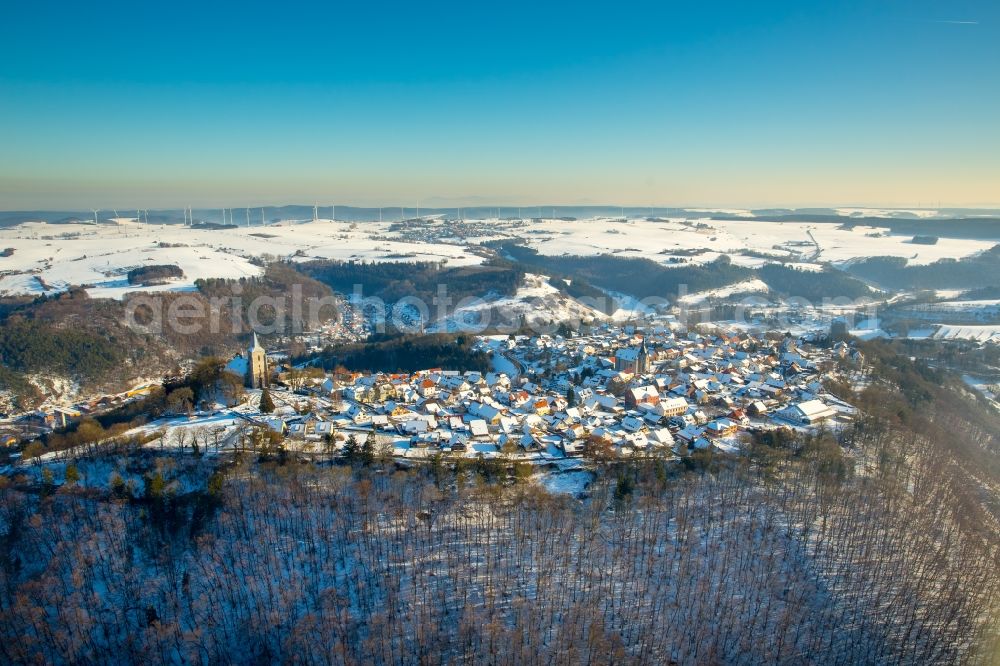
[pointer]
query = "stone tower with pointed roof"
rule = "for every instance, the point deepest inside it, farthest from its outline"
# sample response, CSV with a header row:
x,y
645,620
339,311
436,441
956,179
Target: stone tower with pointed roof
x,y
642,359
256,364
633,361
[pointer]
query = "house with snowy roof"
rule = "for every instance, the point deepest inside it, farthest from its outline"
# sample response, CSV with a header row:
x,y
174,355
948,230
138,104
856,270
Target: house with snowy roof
x,y
810,412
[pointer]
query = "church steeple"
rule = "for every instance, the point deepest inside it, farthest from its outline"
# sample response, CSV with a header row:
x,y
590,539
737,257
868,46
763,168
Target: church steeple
x,y
642,360
257,374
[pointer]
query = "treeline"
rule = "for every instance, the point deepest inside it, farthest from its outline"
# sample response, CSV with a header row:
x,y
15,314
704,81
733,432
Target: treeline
x,y
644,278
68,335
579,288
982,293
812,285
281,280
150,275
404,353
937,404
962,227
968,273
391,281
957,355
28,345
73,336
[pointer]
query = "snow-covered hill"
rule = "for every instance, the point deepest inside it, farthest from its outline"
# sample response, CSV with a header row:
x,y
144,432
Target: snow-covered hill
x,y
535,300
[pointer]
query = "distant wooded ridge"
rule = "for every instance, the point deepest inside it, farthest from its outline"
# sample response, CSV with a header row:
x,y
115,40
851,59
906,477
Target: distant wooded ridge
x,y
262,215
959,227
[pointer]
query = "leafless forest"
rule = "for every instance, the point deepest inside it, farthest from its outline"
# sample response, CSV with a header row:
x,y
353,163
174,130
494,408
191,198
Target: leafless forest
x,y
874,547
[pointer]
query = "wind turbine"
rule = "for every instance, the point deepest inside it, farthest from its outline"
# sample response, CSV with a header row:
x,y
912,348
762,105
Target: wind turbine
x,y
248,218
95,214
315,212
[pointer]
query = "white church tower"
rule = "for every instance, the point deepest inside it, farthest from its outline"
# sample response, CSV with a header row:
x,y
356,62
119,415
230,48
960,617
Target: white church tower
x,y
256,364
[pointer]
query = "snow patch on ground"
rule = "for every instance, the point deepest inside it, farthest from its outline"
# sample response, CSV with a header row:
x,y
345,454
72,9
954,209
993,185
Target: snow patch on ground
x,y
566,483
985,387
747,287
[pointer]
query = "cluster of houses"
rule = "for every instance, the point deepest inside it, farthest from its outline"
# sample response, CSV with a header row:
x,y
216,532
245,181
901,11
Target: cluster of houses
x,y
627,391
619,390
51,416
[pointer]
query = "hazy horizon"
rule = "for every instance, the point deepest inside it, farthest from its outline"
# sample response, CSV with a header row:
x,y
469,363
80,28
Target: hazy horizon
x,y
487,209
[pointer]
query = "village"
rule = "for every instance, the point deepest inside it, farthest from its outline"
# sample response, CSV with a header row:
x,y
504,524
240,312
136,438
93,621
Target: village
x,y
620,391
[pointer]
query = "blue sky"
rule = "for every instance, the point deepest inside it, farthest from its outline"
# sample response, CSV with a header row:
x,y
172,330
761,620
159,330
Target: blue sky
x,y
727,104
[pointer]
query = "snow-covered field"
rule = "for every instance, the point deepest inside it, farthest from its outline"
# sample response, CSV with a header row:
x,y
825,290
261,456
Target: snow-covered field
x,y
808,243
53,257
977,333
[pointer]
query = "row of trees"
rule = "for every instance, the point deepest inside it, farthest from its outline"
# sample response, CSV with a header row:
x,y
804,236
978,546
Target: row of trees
x,y
646,278
638,277
391,281
405,353
896,273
